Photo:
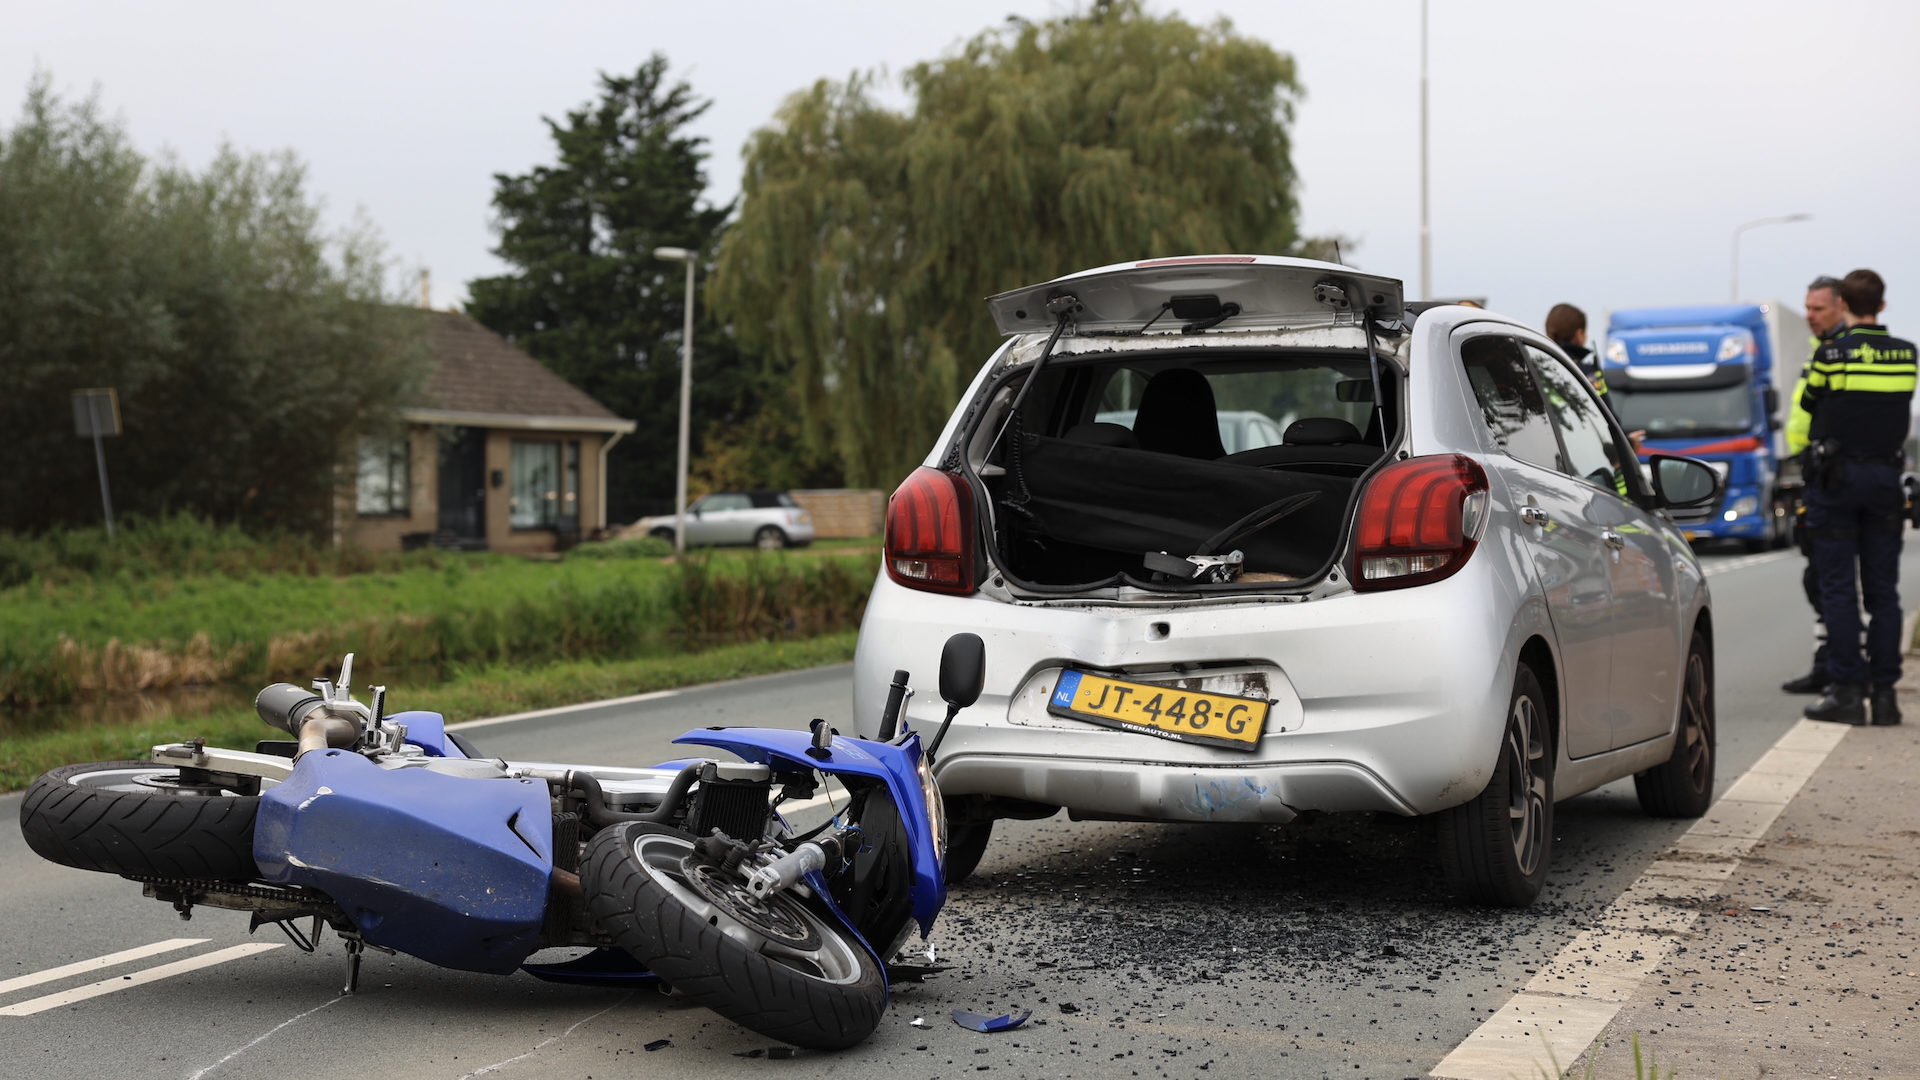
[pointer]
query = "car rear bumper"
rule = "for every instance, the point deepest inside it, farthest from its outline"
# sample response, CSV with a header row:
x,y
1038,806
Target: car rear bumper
x,y
1387,701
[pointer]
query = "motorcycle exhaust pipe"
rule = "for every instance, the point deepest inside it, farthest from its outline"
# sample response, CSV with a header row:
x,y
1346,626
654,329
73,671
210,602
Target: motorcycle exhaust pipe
x,y
302,714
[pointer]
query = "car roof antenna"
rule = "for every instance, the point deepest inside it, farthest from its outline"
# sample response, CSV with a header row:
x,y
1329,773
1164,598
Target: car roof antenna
x,y
1062,308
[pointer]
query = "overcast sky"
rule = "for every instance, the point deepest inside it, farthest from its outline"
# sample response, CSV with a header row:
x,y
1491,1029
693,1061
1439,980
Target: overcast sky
x,y
1595,153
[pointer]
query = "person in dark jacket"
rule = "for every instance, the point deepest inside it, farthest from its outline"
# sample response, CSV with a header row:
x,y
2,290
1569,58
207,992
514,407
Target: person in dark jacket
x,y
1859,393
1826,318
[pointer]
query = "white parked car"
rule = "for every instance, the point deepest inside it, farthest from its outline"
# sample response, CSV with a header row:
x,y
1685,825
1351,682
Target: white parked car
x,y
769,520
1448,590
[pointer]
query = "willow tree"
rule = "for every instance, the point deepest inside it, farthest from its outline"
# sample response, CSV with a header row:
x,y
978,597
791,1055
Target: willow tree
x,y
867,236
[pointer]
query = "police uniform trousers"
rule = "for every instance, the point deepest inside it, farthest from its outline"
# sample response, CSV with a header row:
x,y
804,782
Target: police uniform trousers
x,y
1856,528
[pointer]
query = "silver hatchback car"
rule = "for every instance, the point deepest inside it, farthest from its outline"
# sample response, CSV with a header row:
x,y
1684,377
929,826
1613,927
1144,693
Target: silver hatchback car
x,y
1450,589
769,520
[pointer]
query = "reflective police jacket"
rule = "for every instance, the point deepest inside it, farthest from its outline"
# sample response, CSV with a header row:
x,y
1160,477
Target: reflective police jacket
x,y
1799,420
1859,391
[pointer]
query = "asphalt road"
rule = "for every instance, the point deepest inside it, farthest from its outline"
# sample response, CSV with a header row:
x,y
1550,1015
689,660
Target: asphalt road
x,y
1159,951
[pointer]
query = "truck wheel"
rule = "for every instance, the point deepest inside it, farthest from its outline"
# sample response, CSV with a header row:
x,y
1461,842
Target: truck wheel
x,y
140,819
776,967
1682,786
1495,847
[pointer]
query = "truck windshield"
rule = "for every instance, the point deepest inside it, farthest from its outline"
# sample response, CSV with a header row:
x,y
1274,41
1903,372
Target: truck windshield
x,y
1668,414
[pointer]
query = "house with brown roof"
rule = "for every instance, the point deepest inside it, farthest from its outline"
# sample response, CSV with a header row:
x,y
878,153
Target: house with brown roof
x,y
498,453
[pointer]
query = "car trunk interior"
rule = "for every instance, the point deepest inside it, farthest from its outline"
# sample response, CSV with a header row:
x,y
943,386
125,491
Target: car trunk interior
x,y
1114,458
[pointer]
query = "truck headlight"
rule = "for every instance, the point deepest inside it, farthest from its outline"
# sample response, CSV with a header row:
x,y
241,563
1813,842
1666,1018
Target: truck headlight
x,y
1733,347
1742,506
936,807
1617,351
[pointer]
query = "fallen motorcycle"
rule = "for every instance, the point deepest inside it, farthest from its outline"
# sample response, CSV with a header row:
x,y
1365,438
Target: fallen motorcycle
x,y
401,836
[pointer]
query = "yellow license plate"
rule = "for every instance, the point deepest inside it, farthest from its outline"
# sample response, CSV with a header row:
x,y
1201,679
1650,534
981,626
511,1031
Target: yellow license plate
x,y
1167,711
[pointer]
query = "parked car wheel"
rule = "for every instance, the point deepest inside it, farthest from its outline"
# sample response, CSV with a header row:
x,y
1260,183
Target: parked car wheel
x,y
662,534
966,846
1682,786
769,538
1496,846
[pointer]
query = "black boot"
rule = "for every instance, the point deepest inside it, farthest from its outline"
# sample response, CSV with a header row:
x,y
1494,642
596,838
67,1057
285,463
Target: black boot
x,y
1886,706
1813,682
1843,704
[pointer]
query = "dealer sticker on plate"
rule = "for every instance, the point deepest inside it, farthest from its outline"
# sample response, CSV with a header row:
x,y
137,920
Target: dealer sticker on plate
x,y
1167,711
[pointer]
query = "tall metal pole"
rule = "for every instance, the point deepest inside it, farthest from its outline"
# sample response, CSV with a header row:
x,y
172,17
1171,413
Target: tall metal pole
x,y
1733,294
1426,223
100,461
686,421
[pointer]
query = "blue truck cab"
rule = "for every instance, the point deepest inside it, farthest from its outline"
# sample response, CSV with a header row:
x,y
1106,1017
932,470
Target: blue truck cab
x,y
1710,382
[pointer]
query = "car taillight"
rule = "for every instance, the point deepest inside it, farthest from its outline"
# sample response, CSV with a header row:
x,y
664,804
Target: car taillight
x,y
1419,521
930,532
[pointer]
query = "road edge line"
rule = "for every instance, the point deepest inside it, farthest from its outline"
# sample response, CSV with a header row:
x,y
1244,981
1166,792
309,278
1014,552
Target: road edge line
x,y
1572,998
138,978
124,956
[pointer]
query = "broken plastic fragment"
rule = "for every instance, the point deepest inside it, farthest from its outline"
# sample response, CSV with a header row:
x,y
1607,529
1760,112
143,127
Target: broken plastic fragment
x,y
918,1021
779,1053
658,1044
973,1021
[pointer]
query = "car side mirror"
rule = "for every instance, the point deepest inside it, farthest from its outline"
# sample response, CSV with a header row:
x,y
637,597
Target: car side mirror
x,y
963,670
1680,482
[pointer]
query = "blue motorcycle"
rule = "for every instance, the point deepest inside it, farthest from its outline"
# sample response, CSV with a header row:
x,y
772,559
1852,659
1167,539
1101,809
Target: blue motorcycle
x,y
403,837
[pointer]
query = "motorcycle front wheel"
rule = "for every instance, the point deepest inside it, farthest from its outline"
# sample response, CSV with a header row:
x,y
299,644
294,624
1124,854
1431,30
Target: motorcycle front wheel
x,y
774,966
140,819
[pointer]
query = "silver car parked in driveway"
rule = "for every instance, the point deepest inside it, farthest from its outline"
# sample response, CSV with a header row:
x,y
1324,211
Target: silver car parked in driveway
x,y
1450,590
769,520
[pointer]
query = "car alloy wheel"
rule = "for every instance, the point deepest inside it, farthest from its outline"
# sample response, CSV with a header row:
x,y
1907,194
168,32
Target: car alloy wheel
x,y
1528,794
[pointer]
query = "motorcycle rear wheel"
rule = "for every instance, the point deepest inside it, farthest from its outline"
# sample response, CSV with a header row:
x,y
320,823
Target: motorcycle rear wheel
x,y
779,968
140,819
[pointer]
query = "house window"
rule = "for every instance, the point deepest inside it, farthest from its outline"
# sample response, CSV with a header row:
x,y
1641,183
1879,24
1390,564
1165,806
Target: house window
x,y
384,481
535,497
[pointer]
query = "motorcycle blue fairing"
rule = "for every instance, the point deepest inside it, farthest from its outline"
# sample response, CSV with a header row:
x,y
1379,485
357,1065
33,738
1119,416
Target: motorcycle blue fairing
x,y
897,766
453,870
428,731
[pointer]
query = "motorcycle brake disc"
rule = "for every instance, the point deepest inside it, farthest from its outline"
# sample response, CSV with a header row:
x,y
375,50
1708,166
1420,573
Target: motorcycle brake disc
x,y
777,918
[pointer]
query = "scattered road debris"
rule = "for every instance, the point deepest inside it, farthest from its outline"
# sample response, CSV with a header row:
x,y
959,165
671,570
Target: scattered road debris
x,y
973,1021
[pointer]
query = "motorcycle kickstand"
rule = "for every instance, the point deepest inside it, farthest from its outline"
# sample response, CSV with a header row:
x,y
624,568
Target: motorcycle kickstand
x,y
354,950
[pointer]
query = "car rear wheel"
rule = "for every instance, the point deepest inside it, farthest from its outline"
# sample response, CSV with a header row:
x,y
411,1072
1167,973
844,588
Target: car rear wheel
x,y
1682,786
769,538
662,533
1495,847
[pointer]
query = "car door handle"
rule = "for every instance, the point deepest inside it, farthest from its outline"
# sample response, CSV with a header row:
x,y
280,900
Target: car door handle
x,y
1533,515
1613,539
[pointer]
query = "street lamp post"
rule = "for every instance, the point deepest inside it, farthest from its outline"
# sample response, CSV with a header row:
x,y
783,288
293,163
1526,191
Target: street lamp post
x,y
1426,226
673,254
1754,224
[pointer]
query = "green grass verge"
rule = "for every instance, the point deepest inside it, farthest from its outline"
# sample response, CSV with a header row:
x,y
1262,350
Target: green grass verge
x,y
470,695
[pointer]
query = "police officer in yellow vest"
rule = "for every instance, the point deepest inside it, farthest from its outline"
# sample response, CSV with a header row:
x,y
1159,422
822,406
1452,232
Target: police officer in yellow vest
x,y
1859,391
1826,318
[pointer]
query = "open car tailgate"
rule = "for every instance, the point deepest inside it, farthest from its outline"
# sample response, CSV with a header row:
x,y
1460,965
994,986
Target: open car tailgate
x,y
1269,290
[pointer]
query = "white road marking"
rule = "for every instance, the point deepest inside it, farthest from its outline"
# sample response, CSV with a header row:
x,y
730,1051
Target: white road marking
x,y
138,978
498,1065
561,710
21,982
263,1038
1745,561
1575,996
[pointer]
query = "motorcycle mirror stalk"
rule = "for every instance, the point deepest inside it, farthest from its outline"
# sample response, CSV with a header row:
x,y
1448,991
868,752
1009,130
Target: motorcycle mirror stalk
x,y
963,674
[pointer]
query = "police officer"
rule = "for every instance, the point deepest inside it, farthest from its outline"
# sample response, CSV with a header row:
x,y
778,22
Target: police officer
x,y
1859,389
1567,326
1825,317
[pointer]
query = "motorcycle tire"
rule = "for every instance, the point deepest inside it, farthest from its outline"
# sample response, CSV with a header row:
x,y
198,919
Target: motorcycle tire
x,y
139,819
779,968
